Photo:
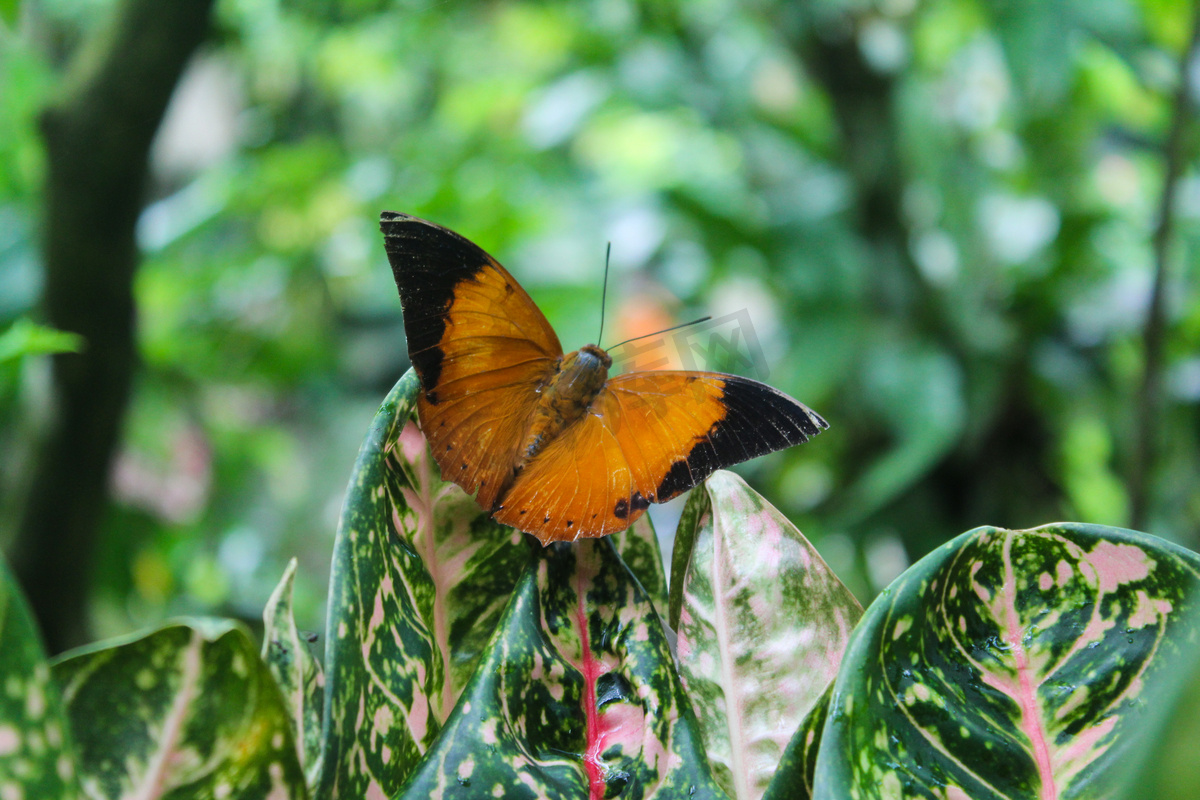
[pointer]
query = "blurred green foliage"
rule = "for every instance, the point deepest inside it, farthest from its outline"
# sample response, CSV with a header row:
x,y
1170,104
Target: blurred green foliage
x,y
947,252
25,338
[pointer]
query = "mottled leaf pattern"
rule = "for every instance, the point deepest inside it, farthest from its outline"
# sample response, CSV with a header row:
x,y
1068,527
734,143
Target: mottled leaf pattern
x,y
1167,752
36,756
762,629
575,697
298,674
420,578
793,779
638,547
189,710
1010,664
686,531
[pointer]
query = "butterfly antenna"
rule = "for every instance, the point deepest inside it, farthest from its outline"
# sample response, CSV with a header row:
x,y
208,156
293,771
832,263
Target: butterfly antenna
x,y
664,330
604,293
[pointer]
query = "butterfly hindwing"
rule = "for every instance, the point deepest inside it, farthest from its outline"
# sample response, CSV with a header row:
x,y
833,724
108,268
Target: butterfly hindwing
x,y
648,437
480,346
572,487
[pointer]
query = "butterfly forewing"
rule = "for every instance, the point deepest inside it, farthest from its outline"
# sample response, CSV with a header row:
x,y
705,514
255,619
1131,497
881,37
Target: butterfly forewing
x,y
480,346
753,420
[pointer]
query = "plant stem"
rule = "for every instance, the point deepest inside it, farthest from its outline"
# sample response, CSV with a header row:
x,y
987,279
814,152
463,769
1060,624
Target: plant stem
x,y
1149,398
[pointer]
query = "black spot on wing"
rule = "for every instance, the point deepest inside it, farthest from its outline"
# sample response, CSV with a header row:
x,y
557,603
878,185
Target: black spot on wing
x,y
758,420
621,509
427,261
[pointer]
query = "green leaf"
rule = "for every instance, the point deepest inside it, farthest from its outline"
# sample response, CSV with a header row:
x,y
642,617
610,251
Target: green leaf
x,y
9,10
793,780
186,710
1011,664
25,338
1170,769
762,630
36,758
576,695
686,531
298,674
638,548
420,578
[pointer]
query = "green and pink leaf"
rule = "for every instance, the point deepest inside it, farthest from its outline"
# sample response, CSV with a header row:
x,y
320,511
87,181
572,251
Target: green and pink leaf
x,y
36,754
189,708
297,673
638,548
762,628
1010,664
420,578
576,695
797,769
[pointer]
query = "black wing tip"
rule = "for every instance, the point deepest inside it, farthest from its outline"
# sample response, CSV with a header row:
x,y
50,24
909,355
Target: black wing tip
x,y
417,244
389,220
428,261
393,223
758,420
791,421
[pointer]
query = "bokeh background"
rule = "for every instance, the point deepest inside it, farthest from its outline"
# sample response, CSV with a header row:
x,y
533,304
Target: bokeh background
x,y
946,221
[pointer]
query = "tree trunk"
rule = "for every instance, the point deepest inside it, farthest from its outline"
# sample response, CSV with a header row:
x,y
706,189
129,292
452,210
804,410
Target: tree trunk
x,y
98,136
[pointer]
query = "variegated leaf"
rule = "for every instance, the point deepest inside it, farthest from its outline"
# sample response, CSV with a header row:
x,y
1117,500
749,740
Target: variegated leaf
x,y
1010,664
686,531
36,753
638,548
420,577
793,780
296,671
576,696
1170,769
187,710
762,629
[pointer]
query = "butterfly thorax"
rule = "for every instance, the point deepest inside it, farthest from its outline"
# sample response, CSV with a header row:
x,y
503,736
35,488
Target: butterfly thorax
x,y
565,398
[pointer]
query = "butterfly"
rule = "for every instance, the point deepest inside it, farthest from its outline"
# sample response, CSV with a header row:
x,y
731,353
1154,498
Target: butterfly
x,y
547,442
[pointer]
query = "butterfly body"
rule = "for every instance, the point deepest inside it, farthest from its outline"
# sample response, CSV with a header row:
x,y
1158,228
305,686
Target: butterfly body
x,y
566,398
549,442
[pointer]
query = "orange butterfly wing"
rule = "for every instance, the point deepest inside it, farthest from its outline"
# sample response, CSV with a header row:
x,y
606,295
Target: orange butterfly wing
x,y
479,345
648,437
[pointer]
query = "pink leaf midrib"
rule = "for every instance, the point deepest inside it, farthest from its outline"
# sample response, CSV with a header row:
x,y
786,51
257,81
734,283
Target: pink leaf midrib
x,y
1026,689
591,669
424,538
729,672
154,781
